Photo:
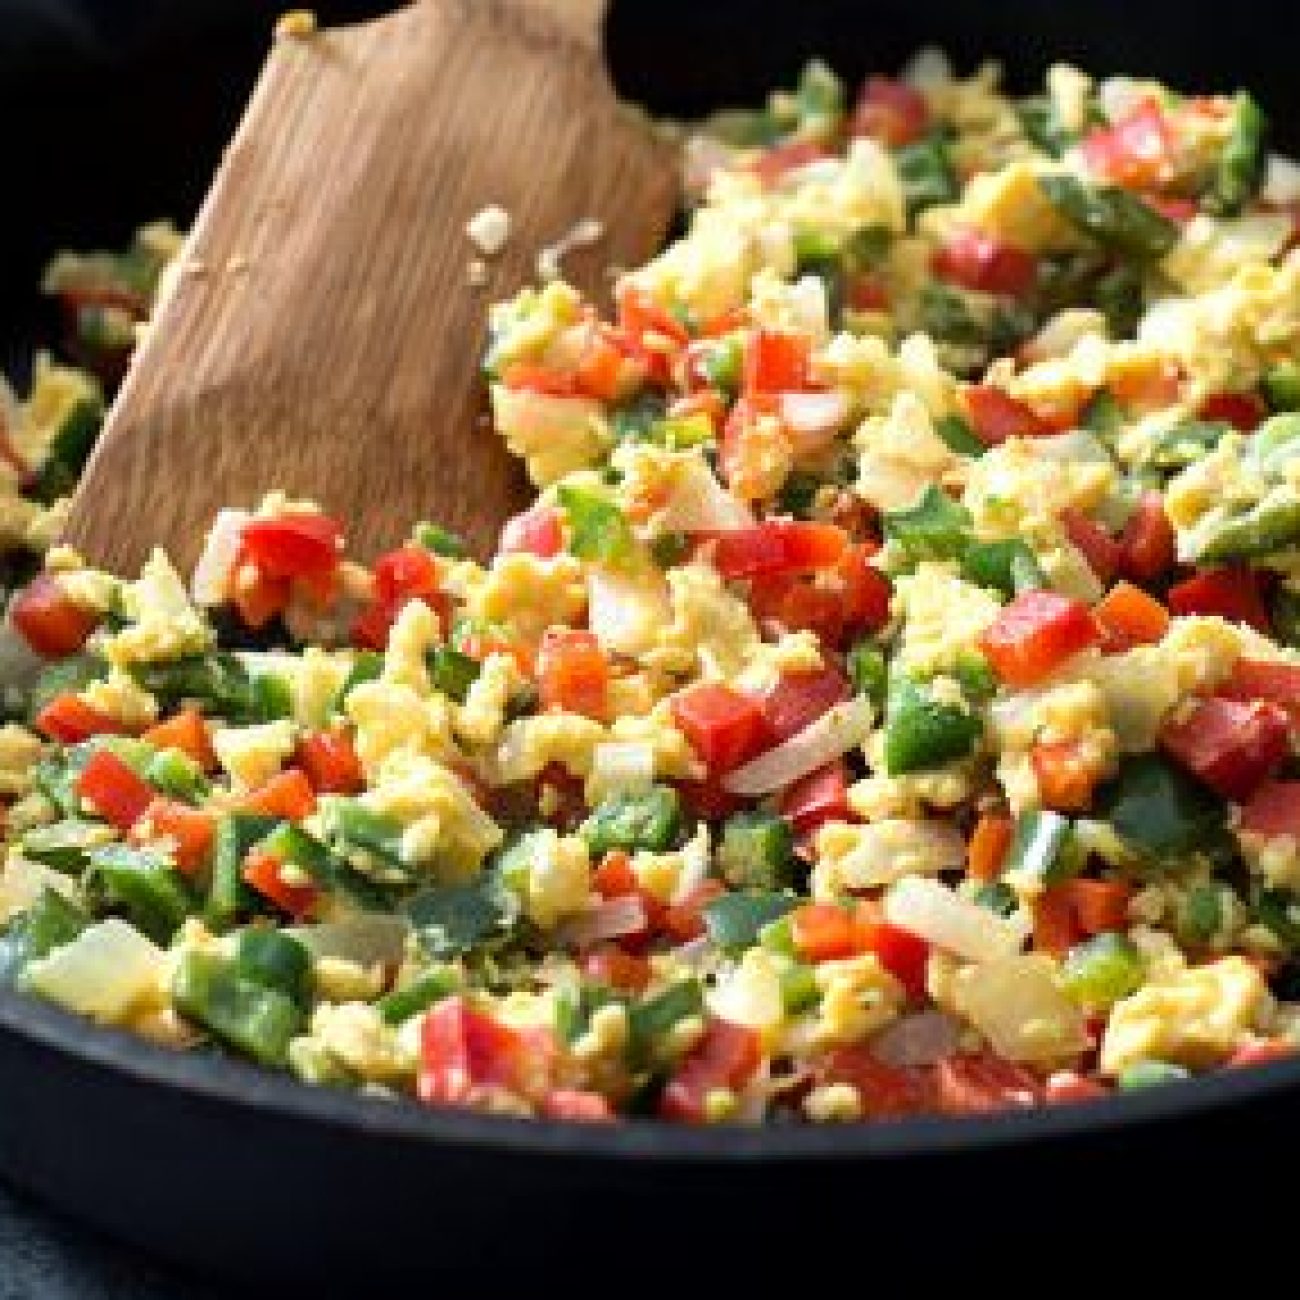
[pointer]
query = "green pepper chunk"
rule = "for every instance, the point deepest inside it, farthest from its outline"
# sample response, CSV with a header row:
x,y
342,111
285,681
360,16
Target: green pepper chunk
x,y
1102,414
452,672
926,172
998,897
935,528
819,96
634,820
419,995
733,921
1160,813
1102,970
946,314
176,774
651,1020
799,991
49,923
1113,217
276,960
440,541
66,845
366,667
869,672
68,450
1042,125
1150,1074
757,851
1241,164
1007,566
220,681
958,436
1281,386
1178,447
722,363
65,677
239,1011
1201,914
922,732
143,884
332,871
228,896
1272,526
682,432
597,529
1041,847
451,920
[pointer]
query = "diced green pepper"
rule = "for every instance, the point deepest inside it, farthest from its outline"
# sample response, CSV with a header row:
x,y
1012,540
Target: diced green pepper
x,y
275,960
799,991
66,845
682,432
49,923
922,732
935,528
238,1011
958,436
946,314
975,675
1102,970
1042,125
1150,1074
370,840
228,896
819,96
1117,294
926,172
450,920
1102,414
219,680
1241,164
68,450
1041,847
1201,915
778,936
176,774
1281,386
366,667
1178,447
1008,566
1161,813
144,885
869,672
757,851
734,920
331,871
633,820
650,1020
1116,219
452,672
420,994
669,549
597,529
439,540
998,897
65,677
1272,526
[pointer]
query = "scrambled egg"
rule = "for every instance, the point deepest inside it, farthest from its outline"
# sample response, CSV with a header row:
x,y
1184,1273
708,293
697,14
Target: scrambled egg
x,y
253,755
163,624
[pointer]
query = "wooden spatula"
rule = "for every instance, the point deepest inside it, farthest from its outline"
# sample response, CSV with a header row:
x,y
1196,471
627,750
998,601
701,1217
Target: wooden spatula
x,y
322,334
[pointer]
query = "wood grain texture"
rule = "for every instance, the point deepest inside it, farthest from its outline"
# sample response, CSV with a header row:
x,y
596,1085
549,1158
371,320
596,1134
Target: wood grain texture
x,y
321,334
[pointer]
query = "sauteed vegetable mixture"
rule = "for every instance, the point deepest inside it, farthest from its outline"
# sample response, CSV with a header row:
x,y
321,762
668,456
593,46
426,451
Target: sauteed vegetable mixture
x,y
889,705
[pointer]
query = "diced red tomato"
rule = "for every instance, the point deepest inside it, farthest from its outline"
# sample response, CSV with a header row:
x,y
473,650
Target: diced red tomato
x,y
1173,208
776,361
1137,151
903,954
988,846
823,931
1262,1052
1274,809
725,728
535,532
653,332
186,832
1128,616
1064,775
288,794
985,263
53,624
866,291
890,111
330,761
1097,546
576,1106
406,574
615,878
996,416
776,162
263,872
708,799
294,546
1097,905
866,590
69,719
573,673
1231,745
725,1059
1056,927
1147,545
979,1083
188,732
604,370
1065,1086
821,796
1244,411
529,377
1232,593
463,1051
115,791
799,699
1036,633
612,966
1257,679
778,546
884,1091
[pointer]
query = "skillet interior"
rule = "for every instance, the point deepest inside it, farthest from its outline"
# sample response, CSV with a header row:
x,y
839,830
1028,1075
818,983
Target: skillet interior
x,y
124,106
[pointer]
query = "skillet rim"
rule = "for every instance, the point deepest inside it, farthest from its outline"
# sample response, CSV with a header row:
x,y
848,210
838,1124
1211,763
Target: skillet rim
x,y
237,1085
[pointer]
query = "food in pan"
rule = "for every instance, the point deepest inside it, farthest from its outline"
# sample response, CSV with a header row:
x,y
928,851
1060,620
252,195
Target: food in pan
x,y
888,706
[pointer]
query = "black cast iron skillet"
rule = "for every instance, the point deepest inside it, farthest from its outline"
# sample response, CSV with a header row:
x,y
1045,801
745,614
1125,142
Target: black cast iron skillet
x,y
115,112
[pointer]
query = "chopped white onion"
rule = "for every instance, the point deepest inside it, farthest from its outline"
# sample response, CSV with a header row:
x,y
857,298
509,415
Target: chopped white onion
x,y
1281,180
211,579
104,972
700,504
813,419
934,912
696,954
1120,96
919,1039
888,850
22,882
837,731
366,938
806,299
622,766
1017,1004
610,919
694,858
626,614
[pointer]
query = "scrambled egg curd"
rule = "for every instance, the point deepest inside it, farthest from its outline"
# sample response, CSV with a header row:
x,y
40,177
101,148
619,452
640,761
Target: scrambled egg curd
x,y
889,704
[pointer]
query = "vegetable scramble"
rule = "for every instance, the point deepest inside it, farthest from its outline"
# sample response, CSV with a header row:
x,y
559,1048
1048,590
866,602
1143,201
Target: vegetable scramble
x,y
888,706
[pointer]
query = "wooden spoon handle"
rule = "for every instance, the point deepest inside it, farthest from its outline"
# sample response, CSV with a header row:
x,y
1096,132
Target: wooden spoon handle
x,y
583,19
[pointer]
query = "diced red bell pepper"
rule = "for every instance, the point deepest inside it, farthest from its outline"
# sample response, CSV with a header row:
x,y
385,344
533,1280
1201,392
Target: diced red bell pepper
x,y
463,1051
264,872
1128,617
535,532
823,931
1097,546
778,546
1137,151
615,878
774,163
1244,411
1065,1086
573,673
529,377
577,1106
1231,745
979,1083
1274,809
1056,927
1064,775
47,618
294,546
187,833
867,592
884,1091
799,699
890,111
288,794
1173,208
725,727
1096,905
406,574
330,761
69,719
1147,545
708,799
983,262
1035,634
1262,1052
996,416
725,1059
188,732
115,791
617,969
794,604
653,333
821,796
1231,593
903,954
776,361
988,847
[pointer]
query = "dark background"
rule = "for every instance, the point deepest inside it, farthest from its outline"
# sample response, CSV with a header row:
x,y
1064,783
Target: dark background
x,y
115,111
